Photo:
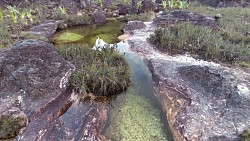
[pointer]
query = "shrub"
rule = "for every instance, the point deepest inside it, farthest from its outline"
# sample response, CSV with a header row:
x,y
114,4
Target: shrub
x,y
100,72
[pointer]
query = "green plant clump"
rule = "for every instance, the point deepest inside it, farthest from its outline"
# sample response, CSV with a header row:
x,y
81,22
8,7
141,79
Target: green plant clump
x,y
99,72
10,126
245,135
203,41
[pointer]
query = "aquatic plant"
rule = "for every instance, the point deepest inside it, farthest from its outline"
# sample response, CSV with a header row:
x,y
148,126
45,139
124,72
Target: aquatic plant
x,y
135,119
100,72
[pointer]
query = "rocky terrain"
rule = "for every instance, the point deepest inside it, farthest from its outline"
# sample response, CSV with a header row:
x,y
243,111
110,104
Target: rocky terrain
x,y
202,100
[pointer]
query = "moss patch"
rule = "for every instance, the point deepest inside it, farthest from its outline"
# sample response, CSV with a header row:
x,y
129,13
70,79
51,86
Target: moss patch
x,y
10,126
135,120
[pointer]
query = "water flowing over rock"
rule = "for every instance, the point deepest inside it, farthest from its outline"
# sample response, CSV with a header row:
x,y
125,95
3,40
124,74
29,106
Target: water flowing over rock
x,y
185,16
203,100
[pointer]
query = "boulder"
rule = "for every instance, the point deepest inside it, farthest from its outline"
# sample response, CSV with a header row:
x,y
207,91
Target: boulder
x,y
32,74
123,10
42,31
147,5
99,17
133,25
185,16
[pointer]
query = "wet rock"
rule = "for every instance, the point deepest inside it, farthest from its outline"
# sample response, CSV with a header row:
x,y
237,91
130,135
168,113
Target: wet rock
x,y
123,10
42,31
99,17
185,16
133,25
32,74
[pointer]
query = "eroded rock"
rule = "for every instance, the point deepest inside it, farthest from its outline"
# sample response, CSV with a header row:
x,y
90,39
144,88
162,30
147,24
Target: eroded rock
x,y
185,16
32,74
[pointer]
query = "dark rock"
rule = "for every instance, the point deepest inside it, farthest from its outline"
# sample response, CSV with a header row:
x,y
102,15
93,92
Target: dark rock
x,y
84,3
147,5
123,10
99,17
185,16
133,25
32,74
42,31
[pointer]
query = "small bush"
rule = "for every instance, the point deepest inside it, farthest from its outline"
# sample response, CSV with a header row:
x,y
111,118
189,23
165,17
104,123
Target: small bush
x,y
245,135
100,72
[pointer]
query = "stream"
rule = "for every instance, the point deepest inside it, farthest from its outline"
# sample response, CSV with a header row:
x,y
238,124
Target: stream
x,y
133,115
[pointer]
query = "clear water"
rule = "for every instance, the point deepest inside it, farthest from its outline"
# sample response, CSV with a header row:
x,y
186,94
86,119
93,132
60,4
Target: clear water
x,y
136,114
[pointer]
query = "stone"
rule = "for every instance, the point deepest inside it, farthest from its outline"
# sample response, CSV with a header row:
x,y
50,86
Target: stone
x,y
123,10
42,31
185,16
32,74
147,5
133,25
99,17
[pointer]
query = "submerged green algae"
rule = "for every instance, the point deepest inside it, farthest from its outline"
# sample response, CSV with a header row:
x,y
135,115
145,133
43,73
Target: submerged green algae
x,y
135,120
88,34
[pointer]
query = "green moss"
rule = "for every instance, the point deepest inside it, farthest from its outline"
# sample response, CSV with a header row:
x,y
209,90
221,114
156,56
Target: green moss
x,y
100,72
135,120
10,126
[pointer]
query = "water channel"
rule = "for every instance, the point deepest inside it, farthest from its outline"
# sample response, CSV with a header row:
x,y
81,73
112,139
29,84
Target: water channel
x,y
134,115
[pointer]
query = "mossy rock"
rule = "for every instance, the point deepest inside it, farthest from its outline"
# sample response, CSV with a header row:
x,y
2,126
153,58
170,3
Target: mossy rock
x,y
10,126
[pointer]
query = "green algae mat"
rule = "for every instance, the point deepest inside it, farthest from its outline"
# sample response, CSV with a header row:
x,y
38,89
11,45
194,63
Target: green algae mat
x,y
135,120
87,34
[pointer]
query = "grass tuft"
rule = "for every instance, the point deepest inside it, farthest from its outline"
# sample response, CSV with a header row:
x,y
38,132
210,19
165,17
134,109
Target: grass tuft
x,y
100,72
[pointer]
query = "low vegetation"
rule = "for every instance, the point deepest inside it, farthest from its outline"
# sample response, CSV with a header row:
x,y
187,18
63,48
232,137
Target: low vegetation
x,y
10,126
100,72
229,43
245,136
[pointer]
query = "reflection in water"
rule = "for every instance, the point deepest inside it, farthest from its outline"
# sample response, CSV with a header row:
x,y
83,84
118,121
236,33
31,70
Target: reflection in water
x,y
136,115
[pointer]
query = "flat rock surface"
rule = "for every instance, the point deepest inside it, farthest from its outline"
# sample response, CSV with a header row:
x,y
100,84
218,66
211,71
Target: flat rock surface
x,y
185,16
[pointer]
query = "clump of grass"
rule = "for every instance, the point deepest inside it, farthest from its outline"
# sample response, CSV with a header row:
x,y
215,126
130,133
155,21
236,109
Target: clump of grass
x,y
10,126
245,135
203,41
72,20
100,72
